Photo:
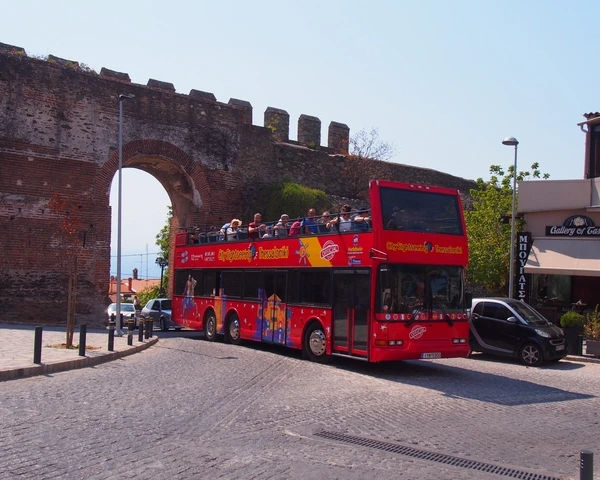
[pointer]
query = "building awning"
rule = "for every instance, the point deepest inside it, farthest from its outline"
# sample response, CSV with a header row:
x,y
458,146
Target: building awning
x,y
555,256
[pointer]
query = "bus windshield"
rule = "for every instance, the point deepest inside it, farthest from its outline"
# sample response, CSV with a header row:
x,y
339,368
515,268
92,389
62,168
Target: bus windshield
x,y
419,211
415,288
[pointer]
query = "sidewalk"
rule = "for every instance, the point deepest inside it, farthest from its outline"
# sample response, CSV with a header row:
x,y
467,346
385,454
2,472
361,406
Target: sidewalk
x,y
17,349
17,345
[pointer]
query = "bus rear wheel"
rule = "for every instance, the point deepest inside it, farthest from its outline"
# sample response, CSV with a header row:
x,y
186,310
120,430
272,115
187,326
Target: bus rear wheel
x,y
210,326
232,332
315,344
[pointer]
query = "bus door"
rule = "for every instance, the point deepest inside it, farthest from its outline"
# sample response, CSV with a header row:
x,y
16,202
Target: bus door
x,y
350,313
274,307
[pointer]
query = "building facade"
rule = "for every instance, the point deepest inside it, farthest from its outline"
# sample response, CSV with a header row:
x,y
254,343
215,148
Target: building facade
x,y
559,255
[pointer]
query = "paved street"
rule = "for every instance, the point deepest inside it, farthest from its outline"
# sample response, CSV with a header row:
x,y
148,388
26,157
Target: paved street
x,y
186,408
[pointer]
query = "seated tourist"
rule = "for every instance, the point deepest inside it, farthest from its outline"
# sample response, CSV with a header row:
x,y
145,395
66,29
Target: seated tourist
x,y
325,223
361,221
233,230
268,232
295,228
282,226
256,228
309,225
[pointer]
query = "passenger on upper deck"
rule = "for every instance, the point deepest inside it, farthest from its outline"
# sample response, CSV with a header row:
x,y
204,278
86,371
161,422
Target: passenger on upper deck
x,y
281,229
269,232
295,228
232,231
256,228
223,231
361,221
344,219
195,236
309,224
325,223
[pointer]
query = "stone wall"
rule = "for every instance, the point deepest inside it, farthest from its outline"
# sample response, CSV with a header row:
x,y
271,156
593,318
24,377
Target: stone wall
x,y
59,140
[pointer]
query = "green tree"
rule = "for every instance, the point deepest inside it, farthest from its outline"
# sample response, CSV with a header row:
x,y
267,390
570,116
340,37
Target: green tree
x,y
488,232
293,199
164,246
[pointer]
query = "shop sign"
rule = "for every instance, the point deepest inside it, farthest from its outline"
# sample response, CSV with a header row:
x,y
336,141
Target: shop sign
x,y
522,280
574,226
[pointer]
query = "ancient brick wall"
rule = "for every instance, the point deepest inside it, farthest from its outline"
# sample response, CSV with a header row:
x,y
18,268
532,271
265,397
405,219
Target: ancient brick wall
x,y
59,137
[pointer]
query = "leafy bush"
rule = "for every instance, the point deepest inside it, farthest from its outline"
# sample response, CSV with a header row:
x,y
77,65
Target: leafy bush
x,y
572,319
591,327
148,294
293,199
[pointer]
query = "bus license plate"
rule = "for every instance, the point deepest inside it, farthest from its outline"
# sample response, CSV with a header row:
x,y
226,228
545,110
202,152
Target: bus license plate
x,y
431,355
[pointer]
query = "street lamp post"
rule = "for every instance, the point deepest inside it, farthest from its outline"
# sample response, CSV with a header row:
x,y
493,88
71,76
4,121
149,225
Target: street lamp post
x,y
162,263
122,96
512,141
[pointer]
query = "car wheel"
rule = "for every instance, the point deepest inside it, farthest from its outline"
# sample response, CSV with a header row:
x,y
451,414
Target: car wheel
x,y
163,325
531,355
314,346
210,326
232,332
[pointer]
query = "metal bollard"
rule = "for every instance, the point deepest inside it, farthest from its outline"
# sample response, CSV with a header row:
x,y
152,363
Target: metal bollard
x,y
146,326
82,334
586,466
151,327
111,335
37,346
141,330
130,328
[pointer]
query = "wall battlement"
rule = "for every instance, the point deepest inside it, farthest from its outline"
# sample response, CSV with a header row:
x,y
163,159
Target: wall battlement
x,y
275,120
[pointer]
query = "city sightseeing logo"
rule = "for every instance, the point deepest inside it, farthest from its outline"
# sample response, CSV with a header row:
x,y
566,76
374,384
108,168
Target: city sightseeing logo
x,y
330,248
184,256
417,332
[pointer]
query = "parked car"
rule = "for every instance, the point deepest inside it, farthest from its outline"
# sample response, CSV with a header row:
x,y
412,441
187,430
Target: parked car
x,y
159,309
511,328
127,309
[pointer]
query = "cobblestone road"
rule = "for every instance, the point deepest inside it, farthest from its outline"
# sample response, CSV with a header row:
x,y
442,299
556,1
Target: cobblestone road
x,y
186,408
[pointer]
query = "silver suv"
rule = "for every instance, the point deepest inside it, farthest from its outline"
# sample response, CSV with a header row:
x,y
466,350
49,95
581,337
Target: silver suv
x,y
159,310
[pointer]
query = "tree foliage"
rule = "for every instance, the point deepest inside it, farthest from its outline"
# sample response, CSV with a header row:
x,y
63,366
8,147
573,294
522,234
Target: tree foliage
x,y
489,236
148,294
162,237
367,144
293,199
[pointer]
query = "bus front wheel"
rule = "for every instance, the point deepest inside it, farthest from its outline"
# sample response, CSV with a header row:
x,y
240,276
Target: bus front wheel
x,y
210,326
315,344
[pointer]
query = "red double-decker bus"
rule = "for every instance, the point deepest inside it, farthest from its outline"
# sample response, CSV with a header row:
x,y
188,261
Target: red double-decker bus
x,y
392,291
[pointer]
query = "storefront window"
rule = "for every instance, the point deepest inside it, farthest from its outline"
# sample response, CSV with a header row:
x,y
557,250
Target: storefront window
x,y
552,288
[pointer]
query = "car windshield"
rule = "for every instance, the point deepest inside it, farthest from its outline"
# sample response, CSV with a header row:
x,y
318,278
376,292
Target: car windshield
x,y
127,307
531,316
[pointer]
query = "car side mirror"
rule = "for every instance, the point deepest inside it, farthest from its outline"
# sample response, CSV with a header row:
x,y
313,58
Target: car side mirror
x,y
511,319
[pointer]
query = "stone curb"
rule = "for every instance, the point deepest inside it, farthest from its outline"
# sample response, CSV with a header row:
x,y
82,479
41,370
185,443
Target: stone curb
x,y
584,359
46,368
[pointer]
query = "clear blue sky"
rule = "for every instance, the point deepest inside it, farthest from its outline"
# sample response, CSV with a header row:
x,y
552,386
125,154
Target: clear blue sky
x,y
443,81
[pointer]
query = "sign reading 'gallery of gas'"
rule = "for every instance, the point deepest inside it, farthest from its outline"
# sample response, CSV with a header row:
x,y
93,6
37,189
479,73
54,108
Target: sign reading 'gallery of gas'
x,y
575,226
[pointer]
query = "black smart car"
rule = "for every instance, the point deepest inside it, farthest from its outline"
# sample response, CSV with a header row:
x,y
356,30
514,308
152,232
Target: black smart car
x,y
511,328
